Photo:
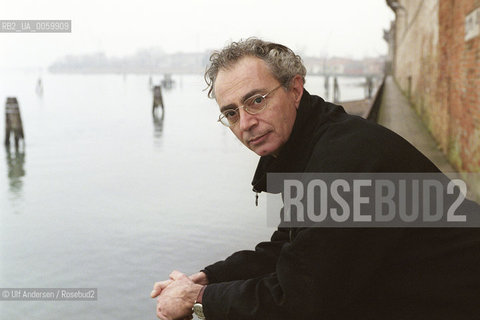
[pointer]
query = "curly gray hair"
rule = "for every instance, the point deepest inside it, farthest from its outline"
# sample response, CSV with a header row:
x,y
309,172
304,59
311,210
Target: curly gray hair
x,y
282,61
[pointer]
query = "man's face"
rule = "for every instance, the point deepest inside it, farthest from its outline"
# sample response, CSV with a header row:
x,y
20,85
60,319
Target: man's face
x,y
266,132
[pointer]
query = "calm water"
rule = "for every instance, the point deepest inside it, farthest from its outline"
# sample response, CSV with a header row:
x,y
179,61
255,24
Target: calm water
x,y
105,196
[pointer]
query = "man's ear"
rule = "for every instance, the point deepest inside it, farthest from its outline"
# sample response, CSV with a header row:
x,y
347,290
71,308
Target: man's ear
x,y
297,89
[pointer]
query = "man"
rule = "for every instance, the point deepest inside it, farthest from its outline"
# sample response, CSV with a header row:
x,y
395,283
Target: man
x,y
324,273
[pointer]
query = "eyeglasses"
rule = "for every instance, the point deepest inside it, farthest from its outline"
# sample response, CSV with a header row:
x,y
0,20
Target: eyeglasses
x,y
253,105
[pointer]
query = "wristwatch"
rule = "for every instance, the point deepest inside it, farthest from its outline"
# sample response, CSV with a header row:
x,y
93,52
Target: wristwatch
x,y
197,306
198,310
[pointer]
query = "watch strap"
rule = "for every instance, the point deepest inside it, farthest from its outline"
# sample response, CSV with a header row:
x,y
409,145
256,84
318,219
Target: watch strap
x,y
200,295
198,307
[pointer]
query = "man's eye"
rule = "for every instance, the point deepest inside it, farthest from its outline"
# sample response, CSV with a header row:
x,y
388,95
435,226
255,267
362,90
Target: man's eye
x,y
257,100
229,114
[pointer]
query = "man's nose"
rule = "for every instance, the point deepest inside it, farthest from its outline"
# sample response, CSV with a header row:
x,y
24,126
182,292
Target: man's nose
x,y
247,121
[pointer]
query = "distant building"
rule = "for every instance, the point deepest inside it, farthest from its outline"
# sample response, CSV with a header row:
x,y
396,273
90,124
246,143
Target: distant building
x,y
157,61
344,66
144,61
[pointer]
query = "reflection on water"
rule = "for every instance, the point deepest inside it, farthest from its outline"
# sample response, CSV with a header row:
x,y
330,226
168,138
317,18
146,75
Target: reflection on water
x,y
158,118
16,171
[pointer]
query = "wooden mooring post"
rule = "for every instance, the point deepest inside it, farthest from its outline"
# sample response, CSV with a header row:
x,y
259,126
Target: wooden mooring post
x,y
157,99
326,86
336,91
368,87
39,88
13,122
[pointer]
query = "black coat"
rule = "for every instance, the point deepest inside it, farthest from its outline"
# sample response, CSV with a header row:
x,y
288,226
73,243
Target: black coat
x,y
347,273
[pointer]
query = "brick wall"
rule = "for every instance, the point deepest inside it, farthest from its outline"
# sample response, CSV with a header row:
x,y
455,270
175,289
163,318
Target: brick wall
x,y
440,72
459,67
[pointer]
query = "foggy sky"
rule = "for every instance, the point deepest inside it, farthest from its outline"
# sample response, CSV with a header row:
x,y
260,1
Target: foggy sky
x,y
335,28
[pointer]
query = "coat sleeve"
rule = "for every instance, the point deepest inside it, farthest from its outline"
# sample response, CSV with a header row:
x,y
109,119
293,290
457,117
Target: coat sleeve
x,y
248,264
317,274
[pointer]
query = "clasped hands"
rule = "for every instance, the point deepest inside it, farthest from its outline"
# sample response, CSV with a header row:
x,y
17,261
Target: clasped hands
x,y
177,295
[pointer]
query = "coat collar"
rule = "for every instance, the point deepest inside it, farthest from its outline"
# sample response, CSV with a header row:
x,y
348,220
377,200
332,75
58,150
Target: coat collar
x,y
296,152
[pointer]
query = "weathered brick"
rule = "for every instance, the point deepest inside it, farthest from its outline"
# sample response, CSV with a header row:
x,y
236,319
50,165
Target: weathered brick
x,y
442,73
